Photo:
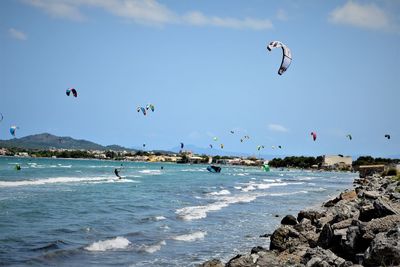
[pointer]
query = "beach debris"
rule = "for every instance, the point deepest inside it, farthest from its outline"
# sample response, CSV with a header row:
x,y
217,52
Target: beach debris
x,y
73,91
287,55
13,130
314,135
387,136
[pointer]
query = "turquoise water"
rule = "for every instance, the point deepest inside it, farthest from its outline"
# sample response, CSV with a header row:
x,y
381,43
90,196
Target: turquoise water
x,y
60,212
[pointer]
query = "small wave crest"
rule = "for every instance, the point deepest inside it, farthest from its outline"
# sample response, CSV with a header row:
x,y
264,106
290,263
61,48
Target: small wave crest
x,y
110,244
220,193
153,172
200,212
52,181
152,248
190,237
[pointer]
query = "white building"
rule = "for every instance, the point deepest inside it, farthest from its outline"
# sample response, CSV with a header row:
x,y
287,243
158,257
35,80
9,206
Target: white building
x,y
337,161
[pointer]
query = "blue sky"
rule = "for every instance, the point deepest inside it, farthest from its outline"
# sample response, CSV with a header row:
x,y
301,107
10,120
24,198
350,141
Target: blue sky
x,y
205,67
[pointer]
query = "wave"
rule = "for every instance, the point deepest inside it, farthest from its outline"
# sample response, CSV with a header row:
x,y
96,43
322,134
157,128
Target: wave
x,y
152,248
154,172
253,186
220,193
110,244
200,212
288,194
53,181
190,237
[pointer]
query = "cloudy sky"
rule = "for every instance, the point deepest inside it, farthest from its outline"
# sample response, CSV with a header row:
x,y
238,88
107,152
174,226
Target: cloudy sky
x,y
205,67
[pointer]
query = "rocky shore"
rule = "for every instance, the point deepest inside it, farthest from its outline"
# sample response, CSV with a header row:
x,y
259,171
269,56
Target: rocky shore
x,y
360,227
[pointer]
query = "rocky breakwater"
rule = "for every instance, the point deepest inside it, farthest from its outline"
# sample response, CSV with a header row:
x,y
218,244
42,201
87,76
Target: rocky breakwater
x,y
360,227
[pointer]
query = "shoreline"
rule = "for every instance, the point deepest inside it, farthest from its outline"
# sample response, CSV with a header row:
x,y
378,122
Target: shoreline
x,y
359,227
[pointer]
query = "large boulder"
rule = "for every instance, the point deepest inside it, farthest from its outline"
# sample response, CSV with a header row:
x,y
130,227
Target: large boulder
x,y
289,220
384,249
319,257
372,228
311,215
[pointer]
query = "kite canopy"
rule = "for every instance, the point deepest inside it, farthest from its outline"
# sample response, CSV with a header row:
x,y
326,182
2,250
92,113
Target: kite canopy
x,y
138,109
232,132
13,130
260,147
215,138
73,91
211,146
1,117
222,146
286,58
182,145
150,106
387,136
314,135
349,136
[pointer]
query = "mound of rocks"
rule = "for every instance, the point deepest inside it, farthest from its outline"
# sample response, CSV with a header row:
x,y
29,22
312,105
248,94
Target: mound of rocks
x,y
360,227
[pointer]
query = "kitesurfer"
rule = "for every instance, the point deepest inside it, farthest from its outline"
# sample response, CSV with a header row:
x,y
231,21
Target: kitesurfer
x,y
116,171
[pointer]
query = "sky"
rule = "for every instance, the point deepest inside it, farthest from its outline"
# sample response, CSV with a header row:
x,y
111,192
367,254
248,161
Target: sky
x,y
204,65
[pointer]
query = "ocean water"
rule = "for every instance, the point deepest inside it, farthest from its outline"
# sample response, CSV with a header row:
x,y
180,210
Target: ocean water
x,y
60,212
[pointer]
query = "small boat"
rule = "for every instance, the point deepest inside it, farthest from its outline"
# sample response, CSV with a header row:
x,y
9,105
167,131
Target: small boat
x,y
214,169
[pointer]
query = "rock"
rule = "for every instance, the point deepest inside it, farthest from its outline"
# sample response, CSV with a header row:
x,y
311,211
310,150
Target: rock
x,y
268,258
212,263
312,215
307,232
348,195
371,194
289,220
395,196
367,212
342,224
384,249
257,249
370,229
383,208
331,203
279,238
326,236
316,257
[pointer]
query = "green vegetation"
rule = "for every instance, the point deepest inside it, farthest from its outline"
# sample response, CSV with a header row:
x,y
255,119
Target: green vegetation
x,y
368,160
296,162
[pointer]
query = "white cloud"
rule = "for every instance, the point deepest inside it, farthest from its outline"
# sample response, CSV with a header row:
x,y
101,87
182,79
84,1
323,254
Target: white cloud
x,y
145,12
367,16
68,9
199,19
277,128
17,34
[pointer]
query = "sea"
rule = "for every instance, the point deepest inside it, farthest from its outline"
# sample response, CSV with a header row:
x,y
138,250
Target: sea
x,y
70,212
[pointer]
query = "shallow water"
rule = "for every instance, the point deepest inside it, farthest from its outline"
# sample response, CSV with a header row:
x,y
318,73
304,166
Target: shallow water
x,y
62,212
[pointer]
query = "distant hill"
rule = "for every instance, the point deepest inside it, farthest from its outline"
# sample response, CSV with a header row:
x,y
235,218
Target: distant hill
x,y
49,141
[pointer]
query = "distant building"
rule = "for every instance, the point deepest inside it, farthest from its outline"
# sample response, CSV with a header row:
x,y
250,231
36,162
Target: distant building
x,y
337,162
369,170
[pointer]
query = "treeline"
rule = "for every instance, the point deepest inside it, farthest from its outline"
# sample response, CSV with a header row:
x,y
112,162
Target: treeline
x,y
368,160
296,162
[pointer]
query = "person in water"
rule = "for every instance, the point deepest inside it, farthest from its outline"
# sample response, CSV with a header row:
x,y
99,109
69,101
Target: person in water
x,y
116,171
18,167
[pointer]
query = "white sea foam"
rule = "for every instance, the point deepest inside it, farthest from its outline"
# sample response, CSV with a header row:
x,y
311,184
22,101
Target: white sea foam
x,y
152,248
220,193
160,218
153,172
254,186
200,212
289,193
110,244
52,181
190,237
272,180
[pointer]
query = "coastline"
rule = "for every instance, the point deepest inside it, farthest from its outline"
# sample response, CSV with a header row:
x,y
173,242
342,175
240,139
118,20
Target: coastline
x,y
359,227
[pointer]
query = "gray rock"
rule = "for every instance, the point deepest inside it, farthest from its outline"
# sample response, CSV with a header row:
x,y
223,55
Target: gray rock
x,y
383,208
212,263
311,215
316,257
279,238
384,249
257,249
289,220
372,194
370,229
